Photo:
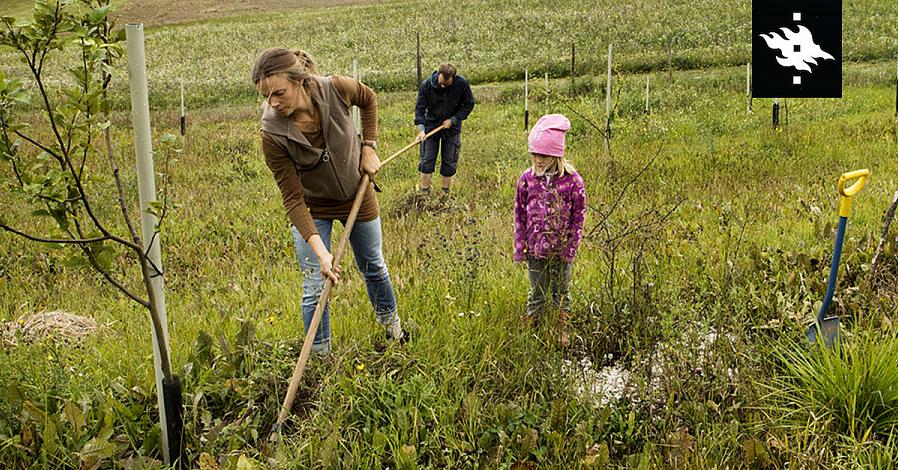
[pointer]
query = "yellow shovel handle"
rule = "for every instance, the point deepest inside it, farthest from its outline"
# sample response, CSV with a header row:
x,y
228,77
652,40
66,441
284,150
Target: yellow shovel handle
x,y
845,203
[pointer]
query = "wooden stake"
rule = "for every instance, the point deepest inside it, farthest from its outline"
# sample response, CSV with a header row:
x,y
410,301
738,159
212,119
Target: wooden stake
x,y
646,110
356,117
183,116
670,58
776,113
748,97
418,58
526,99
608,104
573,56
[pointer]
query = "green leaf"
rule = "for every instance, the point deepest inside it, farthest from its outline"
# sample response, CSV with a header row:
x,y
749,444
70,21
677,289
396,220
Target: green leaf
x,y
202,348
73,415
246,463
246,336
50,437
13,394
154,207
98,15
61,217
75,262
30,412
108,422
95,451
104,257
41,213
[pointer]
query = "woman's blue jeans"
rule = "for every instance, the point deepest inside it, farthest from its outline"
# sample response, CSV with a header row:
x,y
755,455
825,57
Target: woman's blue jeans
x,y
367,245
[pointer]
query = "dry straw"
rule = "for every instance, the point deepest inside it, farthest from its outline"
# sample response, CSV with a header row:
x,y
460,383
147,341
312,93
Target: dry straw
x,y
59,325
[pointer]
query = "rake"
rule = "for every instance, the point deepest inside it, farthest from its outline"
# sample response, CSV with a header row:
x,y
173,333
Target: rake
x,y
325,293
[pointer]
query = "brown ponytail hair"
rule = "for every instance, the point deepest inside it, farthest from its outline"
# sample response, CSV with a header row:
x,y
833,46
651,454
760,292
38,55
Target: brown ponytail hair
x,y
296,64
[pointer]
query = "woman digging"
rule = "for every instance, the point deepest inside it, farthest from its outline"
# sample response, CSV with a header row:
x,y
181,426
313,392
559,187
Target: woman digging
x,y
310,145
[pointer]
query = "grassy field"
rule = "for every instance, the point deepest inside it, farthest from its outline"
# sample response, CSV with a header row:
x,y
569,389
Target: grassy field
x,y
489,41
709,240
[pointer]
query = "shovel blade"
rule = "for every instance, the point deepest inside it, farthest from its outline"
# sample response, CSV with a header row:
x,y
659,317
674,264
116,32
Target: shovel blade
x,y
825,332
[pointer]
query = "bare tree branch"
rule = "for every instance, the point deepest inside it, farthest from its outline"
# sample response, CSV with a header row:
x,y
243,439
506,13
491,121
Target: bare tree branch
x,y
890,215
72,241
623,191
40,146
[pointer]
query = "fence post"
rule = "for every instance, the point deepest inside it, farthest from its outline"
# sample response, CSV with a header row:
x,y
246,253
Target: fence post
x,y
526,104
776,113
183,115
418,58
608,104
573,55
670,58
646,110
748,97
356,117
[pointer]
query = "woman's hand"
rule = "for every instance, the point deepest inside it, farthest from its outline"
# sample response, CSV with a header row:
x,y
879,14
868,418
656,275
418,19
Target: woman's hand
x,y
328,270
369,164
325,259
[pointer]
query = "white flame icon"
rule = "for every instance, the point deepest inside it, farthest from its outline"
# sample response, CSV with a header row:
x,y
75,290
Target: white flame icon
x,y
798,48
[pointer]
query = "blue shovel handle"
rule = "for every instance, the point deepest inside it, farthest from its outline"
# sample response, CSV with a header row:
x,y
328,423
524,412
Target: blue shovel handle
x,y
833,270
844,210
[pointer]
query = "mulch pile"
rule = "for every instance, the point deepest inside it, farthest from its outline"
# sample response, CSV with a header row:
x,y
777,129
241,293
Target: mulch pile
x,y
418,202
57,325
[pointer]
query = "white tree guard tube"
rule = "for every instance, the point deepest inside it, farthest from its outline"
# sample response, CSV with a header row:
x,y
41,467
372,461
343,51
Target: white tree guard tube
x,y
146,185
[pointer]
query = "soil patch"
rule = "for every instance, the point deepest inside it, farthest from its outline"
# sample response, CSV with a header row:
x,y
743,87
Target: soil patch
x,y
417,202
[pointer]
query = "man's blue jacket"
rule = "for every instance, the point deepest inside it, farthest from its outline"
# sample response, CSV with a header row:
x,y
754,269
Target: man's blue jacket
x,y
436,104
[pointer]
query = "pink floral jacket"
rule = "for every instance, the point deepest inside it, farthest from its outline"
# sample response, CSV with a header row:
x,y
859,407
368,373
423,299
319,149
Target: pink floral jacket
x,y
549,213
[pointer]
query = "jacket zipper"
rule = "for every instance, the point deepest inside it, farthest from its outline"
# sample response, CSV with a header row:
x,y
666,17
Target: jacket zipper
x,y
326,158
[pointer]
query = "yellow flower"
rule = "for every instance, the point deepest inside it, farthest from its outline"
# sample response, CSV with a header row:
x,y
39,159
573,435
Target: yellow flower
x,y
49,357
360,367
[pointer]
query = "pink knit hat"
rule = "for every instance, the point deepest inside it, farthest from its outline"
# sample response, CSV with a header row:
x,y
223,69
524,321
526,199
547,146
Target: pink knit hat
x,y
547,136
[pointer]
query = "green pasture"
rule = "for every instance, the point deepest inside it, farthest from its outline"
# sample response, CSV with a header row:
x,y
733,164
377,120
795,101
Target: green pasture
x,y
488,40
709,236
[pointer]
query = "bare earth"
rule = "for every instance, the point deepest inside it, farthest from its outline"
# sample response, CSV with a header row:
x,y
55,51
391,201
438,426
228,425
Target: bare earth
x,y
162,12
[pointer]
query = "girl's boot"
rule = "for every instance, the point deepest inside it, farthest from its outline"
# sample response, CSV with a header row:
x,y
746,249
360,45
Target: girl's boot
x,y
564,338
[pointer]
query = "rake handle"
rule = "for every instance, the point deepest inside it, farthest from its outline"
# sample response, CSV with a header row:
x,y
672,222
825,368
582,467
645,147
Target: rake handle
x,y
300,367
319,309
416,142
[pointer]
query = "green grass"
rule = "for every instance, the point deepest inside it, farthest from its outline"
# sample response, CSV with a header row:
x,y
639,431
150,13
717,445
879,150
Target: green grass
x,y
488,40
473,385
23,9
850,390
16,8
732,229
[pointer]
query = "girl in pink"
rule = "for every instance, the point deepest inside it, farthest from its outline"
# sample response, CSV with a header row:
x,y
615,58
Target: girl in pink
x,y
549,211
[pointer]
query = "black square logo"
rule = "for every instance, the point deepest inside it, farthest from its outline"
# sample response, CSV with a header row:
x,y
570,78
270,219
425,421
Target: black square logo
x,y
796,48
